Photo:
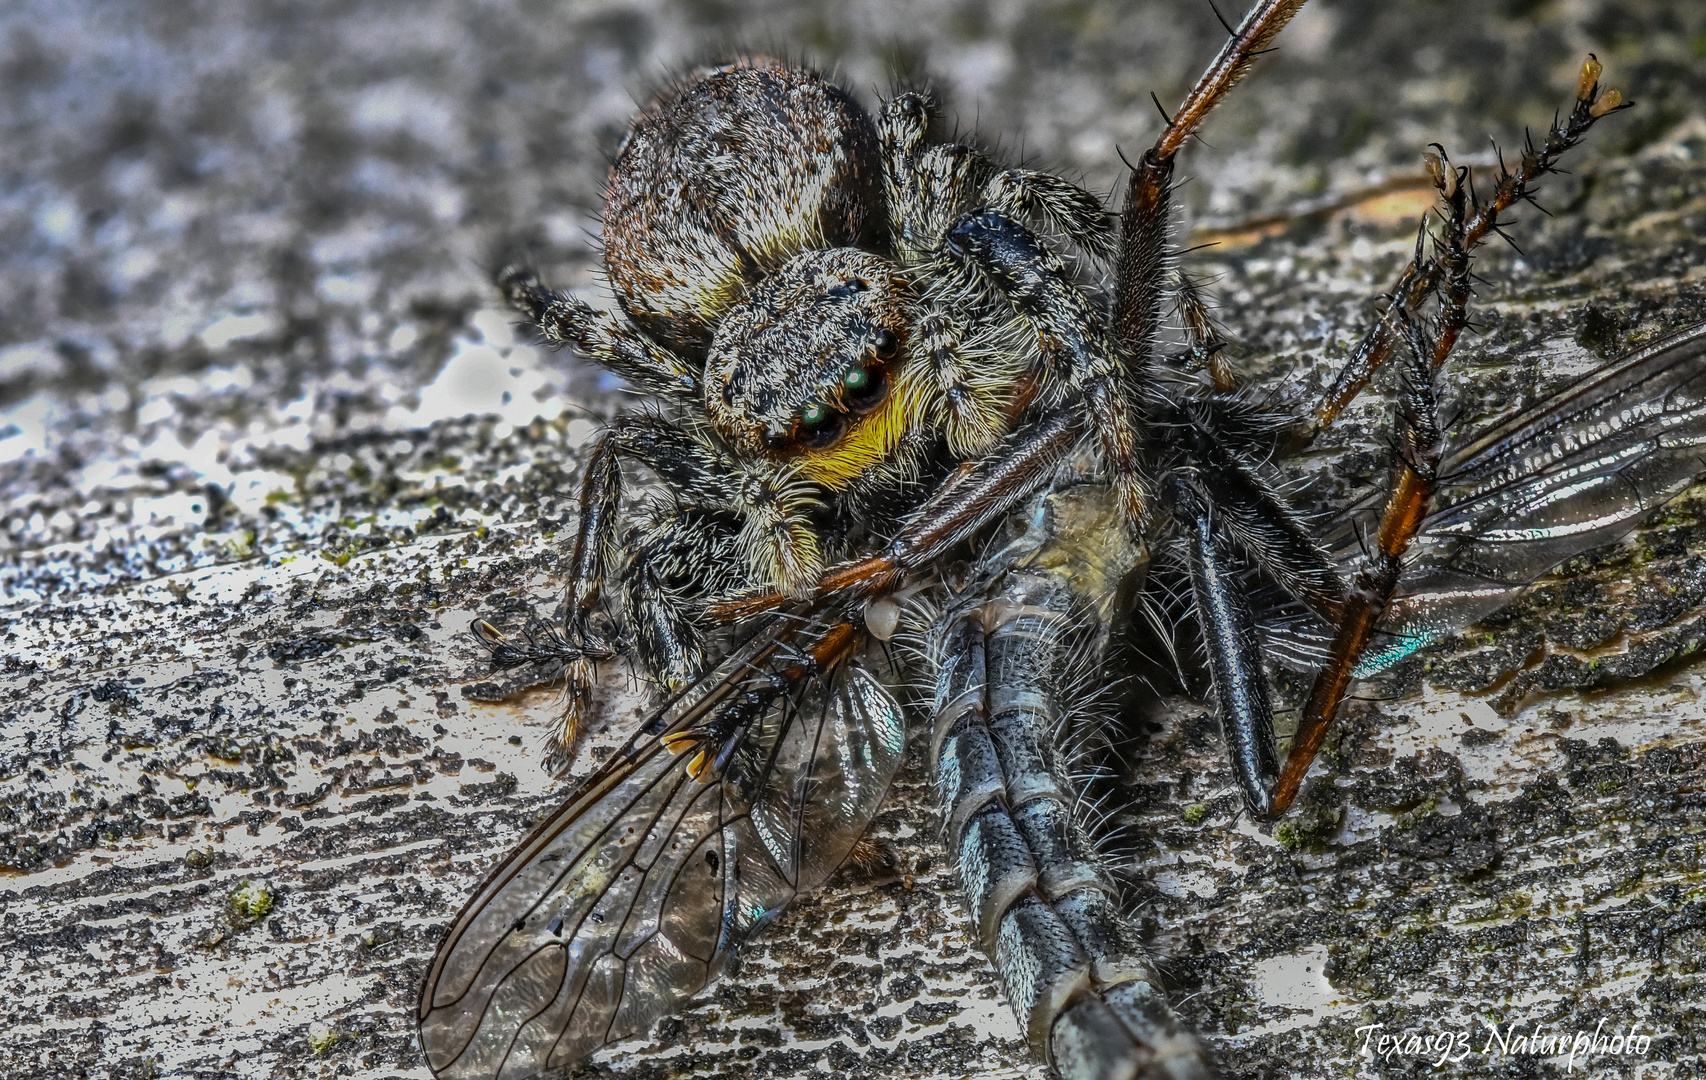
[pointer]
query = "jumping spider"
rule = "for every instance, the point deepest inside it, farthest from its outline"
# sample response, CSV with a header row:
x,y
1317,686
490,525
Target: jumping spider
x,y
804,311
831,316
862,349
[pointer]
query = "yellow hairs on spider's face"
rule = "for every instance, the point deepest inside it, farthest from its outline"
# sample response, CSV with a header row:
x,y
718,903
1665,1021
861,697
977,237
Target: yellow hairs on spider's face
x,y
873,437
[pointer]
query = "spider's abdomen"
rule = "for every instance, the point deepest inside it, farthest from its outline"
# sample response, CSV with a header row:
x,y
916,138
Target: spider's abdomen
x,y
725,177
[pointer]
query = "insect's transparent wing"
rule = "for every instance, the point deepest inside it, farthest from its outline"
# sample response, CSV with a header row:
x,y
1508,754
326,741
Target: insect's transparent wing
x,y
630,898
1576,471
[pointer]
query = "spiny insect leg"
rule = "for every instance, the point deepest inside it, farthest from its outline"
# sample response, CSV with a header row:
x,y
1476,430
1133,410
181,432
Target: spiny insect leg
x,y
1139,272
1251,39
1420,442
1468,223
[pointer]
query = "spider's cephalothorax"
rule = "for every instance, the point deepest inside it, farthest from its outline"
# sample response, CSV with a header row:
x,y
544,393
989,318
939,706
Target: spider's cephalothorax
x,y
820,308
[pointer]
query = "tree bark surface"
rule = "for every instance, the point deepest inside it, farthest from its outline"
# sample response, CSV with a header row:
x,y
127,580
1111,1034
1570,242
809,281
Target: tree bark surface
x,y
268,444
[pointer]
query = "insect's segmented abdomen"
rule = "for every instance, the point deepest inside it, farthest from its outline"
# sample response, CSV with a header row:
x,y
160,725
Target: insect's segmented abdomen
x,y
1043,908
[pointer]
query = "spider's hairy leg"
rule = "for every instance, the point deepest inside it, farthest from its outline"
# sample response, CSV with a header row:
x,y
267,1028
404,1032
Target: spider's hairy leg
x,y
615,345
976,393
1074,349
1446,275
577,643
1241,694
778,535
1263,526
1468,223
1058,205
927,185
682,555
684,464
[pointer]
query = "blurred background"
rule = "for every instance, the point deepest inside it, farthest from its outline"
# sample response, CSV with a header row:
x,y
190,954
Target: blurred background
x,y
267,442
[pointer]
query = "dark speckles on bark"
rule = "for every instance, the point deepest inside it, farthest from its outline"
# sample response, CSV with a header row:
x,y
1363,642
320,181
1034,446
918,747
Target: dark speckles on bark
x,y
356,200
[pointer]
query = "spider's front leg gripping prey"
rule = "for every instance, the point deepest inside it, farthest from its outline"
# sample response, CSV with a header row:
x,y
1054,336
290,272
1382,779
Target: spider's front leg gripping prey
x,y
1069,333
1241,693
1420,444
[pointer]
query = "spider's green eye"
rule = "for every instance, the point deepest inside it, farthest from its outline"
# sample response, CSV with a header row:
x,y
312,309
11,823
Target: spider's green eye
x,y
820,425
864,388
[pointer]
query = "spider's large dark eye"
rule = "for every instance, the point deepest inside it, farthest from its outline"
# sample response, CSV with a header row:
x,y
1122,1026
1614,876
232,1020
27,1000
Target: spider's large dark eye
x,y
885,343
820,425
863,388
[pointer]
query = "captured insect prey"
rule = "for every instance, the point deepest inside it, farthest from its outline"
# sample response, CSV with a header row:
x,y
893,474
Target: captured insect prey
x,y
926,438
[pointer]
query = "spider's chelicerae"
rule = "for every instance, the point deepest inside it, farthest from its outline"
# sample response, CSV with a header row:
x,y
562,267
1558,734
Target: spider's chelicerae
x,y
860,349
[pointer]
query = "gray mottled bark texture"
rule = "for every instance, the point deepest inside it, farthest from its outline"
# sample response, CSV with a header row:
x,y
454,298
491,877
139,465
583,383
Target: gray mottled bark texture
x,y
246,517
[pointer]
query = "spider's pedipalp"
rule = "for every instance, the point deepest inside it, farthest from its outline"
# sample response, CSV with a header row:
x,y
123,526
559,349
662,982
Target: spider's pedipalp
x,y
777,534
664,579
974,388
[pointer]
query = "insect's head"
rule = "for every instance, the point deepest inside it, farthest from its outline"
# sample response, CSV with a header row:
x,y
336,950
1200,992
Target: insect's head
x,y
809,368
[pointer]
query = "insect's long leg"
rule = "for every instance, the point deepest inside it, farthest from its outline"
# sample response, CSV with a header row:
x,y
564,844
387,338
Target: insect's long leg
x,y
1419,439
1468,225
1419,446
1041,904
1139,272
1241,694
